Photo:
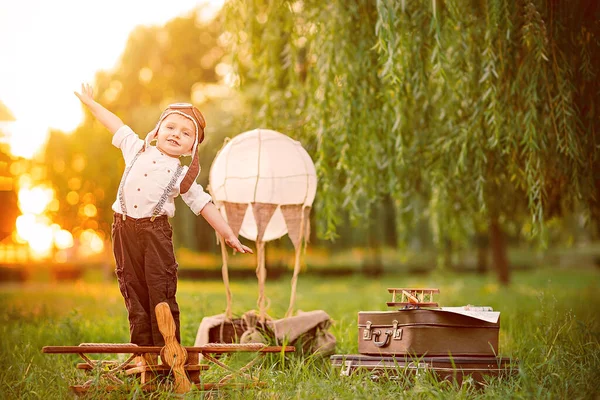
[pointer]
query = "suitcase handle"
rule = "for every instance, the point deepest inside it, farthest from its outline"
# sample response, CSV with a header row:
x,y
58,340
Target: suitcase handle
x,y
376,334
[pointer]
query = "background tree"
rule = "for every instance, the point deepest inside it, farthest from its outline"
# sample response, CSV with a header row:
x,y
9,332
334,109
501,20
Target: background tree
x,y
160,65
480,114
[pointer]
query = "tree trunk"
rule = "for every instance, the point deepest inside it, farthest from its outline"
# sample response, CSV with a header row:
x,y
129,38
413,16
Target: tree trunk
x,y
482,243
387,219
447,251
498,247
373,263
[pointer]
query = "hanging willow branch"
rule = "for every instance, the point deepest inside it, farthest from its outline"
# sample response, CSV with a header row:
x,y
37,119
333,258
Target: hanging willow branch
x,y
455,112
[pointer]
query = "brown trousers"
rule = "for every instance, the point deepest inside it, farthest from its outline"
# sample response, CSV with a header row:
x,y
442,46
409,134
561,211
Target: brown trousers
x,y
147,274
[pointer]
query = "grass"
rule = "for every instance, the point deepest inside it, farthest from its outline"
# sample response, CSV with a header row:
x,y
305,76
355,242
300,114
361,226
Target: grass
x,y
549,322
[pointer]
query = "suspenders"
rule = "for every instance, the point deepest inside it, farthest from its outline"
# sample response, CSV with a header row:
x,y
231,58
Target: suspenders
x,y
122,184
163,198
165,195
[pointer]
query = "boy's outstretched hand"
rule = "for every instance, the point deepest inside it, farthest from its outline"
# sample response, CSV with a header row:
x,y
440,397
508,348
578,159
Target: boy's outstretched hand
x,y
212,215
106,118
235,244
87,94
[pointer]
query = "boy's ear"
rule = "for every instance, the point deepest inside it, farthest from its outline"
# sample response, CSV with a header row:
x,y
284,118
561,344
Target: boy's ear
x,y
153,134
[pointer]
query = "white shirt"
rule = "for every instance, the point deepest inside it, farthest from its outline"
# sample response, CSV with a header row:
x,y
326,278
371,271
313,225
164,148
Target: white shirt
x,y
149,177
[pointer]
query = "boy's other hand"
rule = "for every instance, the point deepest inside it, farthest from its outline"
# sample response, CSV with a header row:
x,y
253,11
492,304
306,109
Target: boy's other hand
x,y
235,244
87,94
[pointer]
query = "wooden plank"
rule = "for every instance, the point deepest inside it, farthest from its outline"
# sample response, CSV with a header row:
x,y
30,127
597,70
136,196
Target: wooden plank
x,y
227,385
397,304
234,348
194,359
109,364
159,367
83,389
164,368
391,290
214,348
107,349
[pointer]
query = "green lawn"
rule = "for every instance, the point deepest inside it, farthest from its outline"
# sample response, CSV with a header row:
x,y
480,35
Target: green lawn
x,y
549,322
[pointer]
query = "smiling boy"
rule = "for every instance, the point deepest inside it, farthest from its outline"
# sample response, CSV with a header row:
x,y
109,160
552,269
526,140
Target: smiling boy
x,y
142,236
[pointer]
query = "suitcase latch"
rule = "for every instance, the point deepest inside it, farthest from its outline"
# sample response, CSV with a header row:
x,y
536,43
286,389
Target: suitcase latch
x,y
396,332
347,369
367,331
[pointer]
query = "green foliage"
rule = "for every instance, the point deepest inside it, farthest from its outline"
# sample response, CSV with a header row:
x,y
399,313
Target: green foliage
x,y
459,111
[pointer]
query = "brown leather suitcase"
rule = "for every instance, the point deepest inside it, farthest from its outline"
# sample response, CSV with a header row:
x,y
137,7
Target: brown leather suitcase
x,y
448,368
431,332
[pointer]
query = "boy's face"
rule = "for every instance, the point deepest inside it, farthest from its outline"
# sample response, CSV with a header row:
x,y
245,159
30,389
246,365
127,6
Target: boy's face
x,y
176,135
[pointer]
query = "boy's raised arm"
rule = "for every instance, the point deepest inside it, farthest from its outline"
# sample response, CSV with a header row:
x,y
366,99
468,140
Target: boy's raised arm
x,y
106,118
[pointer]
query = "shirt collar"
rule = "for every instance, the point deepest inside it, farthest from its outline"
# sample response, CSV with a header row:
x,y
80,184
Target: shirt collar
x,y
154,152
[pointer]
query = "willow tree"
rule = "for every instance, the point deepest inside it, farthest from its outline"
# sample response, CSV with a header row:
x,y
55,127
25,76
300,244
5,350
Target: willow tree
x,y
484,110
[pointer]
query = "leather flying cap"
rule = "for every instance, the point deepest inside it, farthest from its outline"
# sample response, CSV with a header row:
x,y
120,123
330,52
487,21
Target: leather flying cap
x,y
189,111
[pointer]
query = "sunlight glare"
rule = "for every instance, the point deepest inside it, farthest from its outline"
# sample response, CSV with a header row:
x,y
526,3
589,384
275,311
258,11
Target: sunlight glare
x,y
63,239
91,243
35,200
26,137
42,240
26,226
52,47
90,211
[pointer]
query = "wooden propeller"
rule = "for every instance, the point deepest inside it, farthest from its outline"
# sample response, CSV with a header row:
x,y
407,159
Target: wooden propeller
x,y
172,354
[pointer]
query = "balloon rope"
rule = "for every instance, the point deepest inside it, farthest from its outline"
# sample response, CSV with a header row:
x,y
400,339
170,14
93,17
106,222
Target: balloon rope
x,y
261,274
225,273
296,267
257,167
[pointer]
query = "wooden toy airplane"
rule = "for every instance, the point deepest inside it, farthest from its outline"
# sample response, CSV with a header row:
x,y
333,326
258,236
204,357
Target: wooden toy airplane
x,y
181,363
412,298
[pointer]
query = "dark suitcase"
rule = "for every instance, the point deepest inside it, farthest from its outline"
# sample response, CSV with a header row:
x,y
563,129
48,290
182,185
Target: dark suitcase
x,y
418,332
448,368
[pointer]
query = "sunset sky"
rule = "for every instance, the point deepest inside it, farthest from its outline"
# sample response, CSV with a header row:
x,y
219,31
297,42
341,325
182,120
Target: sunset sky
x,y
48,48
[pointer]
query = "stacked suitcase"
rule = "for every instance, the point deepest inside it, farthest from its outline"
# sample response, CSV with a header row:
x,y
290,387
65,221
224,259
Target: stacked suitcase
x,y
452,342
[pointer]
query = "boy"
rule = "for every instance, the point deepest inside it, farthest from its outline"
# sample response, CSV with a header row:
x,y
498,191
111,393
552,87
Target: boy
x,y
142,236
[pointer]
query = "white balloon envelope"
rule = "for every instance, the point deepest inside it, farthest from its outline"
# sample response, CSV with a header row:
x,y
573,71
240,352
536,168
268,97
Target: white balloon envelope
x,y
263,166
